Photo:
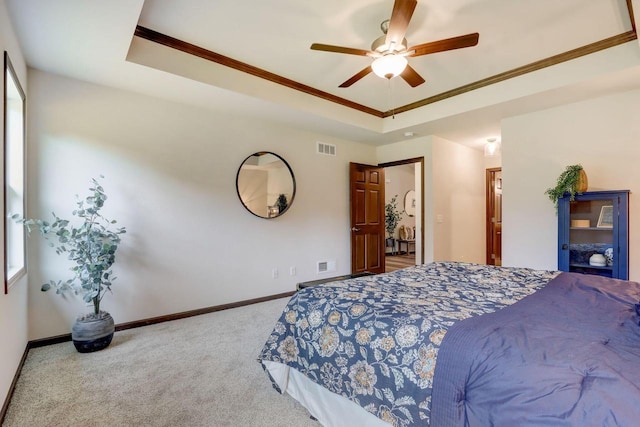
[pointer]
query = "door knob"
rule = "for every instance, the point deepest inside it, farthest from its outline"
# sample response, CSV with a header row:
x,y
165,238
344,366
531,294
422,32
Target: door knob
x,y
355,229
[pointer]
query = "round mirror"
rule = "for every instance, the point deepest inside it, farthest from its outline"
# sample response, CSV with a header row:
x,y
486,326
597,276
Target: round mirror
x,y
410,203
265,184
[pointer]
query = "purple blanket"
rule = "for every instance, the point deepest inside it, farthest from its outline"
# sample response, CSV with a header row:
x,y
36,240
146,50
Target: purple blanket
x,y
568,355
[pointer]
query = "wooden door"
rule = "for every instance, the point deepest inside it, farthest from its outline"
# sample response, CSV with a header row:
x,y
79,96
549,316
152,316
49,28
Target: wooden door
x,y
367,218
494,216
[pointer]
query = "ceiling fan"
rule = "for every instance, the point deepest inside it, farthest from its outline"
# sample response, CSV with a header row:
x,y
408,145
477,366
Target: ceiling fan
x,y
390,51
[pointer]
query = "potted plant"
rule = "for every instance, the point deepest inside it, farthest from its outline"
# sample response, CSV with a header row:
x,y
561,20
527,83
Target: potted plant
x,y
282,203
392,218
92,247
572,180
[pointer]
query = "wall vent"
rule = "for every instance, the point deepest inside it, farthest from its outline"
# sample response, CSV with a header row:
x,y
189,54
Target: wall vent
x,y
326,149
326,266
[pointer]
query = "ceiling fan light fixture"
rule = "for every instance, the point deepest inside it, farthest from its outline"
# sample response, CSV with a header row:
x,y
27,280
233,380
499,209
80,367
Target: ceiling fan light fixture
x,y
391,49
389,66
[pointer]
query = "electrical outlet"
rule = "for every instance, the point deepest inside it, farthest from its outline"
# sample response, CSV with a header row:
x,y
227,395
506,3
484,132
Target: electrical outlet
x,y
292,271
274,273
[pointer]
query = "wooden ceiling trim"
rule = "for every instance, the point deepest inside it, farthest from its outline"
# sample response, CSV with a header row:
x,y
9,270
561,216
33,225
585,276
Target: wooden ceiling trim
x,y
534,66
191,49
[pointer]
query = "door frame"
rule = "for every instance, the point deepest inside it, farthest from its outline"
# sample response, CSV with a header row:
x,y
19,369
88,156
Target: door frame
x,y
489,203
406,162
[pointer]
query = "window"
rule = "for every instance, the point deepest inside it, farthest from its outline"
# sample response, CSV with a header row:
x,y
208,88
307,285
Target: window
x,y
14,168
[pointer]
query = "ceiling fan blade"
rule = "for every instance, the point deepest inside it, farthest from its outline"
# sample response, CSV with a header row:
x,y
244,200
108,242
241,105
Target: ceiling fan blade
x,y
399,21
412,77
357,77
340,49
446,44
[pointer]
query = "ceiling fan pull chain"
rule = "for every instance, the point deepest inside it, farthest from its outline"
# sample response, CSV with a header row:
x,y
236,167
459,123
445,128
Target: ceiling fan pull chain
x,y
393,110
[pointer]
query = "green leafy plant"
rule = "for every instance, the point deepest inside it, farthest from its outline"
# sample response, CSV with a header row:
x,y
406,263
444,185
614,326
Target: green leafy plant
x,y
567,183
392,216
282,203
91,246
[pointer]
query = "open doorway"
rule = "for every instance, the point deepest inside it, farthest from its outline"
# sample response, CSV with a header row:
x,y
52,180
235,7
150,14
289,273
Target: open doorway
x,y
494,216
403,194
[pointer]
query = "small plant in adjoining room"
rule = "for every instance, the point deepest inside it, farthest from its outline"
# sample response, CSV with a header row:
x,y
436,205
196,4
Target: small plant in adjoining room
x,y
572,180
392,216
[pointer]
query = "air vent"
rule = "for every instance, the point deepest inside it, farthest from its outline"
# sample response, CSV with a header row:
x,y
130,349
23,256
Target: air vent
x,y
326,266
326,149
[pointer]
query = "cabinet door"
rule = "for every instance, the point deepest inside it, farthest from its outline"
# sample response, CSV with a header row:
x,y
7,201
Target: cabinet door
x,y
593,224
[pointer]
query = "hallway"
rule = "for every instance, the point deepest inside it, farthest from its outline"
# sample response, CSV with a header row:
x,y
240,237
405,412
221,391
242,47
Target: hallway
x,y
396,262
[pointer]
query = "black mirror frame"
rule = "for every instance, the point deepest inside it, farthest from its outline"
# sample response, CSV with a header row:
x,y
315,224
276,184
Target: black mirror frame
x,y
293,180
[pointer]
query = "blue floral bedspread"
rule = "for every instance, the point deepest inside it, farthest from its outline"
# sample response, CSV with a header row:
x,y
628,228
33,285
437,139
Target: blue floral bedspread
x,y
375,339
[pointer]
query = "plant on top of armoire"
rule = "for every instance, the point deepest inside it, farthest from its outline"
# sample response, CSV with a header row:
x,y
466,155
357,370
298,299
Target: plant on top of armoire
x,y
572,181
92,247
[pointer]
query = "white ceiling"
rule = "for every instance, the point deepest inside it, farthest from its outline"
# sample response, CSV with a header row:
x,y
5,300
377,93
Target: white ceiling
x,y
93,40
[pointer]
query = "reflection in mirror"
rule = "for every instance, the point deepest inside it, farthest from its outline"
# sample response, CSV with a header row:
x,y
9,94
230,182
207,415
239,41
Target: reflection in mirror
x,y
265,184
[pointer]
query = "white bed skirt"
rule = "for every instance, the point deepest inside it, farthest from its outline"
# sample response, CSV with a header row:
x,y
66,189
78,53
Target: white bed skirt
x,y
330,409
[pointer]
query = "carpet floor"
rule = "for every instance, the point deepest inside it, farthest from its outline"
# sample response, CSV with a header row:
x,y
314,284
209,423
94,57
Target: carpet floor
x,y
199,371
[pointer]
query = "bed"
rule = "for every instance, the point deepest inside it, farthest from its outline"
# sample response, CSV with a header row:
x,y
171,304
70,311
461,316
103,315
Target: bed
x,y
513,346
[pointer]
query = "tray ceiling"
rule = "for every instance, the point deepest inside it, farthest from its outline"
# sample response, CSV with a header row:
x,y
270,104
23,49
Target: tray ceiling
x,y
254,57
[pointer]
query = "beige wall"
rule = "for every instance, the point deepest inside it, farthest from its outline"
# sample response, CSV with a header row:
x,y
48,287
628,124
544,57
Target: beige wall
x,y
603,135
13,306
170,176
459,202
